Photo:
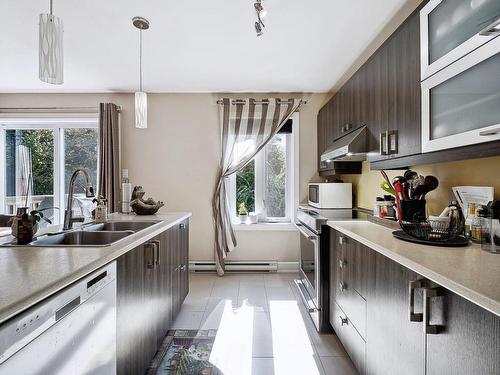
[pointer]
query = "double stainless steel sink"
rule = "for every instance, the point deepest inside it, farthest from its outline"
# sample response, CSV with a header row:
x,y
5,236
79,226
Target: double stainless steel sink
x,y
93,235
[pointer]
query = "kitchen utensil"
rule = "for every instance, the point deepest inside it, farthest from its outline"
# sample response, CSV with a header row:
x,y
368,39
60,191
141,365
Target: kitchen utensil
x,y
386,178
410,175
387,187
430,183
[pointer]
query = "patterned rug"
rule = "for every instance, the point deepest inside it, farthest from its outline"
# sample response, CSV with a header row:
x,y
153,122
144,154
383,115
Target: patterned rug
x,y
185,352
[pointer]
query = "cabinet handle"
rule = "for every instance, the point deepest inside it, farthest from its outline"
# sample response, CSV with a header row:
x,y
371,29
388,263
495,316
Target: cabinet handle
x,y
342,263
182,226
430,329
183,267
392,142
412,315
492,29
151,258
157,247
343,321
486,133
341,240
384,147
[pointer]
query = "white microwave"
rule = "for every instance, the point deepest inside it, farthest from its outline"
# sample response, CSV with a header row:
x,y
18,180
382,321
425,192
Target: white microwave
x,y
330,195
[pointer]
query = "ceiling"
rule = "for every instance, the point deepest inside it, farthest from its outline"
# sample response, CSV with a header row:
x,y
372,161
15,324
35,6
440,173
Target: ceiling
x,y
192,46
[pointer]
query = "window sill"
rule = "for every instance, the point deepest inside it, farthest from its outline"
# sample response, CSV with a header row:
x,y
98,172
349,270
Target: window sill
x,y
276,227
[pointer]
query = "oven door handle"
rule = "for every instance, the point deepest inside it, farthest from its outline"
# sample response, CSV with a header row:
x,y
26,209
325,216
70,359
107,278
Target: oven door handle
x,y
306,232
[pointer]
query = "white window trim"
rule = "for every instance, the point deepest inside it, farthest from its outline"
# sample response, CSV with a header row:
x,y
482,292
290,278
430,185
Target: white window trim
x,y
283,225
58,125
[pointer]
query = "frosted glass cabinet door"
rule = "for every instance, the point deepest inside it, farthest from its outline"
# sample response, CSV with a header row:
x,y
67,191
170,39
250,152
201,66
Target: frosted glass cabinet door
x,y
449,29
461,103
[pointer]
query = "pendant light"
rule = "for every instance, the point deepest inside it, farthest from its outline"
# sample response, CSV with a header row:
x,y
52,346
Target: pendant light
x,y
141,98
50,48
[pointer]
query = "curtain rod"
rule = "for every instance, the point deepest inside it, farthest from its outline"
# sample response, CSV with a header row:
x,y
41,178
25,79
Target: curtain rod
x,y
53,110
240,101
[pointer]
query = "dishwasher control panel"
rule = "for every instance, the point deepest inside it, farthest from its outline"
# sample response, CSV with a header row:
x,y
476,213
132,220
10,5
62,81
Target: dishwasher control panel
x,y
25,327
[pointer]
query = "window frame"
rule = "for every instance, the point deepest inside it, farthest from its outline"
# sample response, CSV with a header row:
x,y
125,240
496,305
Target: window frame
x,y
57,125
292,183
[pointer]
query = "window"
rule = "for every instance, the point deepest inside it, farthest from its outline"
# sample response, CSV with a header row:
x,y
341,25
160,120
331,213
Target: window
x,y
267,183
37,158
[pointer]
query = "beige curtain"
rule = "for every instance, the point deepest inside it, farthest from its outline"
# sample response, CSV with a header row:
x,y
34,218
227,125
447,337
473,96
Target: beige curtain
x,y
109,155
246,127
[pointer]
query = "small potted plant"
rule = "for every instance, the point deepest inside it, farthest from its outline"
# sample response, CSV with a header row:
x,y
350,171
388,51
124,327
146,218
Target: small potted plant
x,y
243,213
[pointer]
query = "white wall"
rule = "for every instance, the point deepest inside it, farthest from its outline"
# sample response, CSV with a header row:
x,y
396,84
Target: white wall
x,y
176,158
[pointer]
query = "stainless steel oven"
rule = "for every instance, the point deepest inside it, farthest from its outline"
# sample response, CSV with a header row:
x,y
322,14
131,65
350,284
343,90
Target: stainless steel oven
x,y
309,265
314,280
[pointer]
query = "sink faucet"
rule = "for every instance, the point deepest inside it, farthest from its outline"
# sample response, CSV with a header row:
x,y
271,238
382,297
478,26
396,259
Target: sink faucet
x,y
89,193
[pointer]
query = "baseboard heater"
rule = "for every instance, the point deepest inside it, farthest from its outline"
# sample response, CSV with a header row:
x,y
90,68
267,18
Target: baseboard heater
x,y
235,266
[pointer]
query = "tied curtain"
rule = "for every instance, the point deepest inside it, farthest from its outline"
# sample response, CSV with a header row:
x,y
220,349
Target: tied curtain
x,y
251,124
109,155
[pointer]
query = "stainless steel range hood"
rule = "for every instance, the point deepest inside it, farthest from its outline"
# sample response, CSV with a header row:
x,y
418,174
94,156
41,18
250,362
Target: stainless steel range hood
x,y
350,147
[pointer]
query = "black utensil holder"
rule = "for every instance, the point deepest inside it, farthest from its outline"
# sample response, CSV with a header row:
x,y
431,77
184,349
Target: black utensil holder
x,y
413,211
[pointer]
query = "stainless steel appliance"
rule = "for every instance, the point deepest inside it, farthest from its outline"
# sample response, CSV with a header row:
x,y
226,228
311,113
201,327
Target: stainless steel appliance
x,y
330,195
72,332
314,279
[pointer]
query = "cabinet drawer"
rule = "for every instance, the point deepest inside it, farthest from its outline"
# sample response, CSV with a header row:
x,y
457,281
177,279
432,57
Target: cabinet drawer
x,y
350,338
355,307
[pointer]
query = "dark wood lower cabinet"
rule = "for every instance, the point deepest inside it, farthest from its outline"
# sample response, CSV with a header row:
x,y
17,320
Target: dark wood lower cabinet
x,y
466,340
395,345
151,287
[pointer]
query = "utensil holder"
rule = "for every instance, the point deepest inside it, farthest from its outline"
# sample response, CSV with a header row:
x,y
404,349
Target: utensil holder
x,y
412,211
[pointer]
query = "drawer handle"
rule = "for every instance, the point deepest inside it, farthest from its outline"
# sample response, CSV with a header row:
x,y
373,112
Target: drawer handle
x,y
412,315
430,329
341,240
492,29
343,321
486,133
182,226
342,263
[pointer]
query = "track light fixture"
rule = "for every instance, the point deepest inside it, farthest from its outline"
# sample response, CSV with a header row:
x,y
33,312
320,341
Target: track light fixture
x,y
261,13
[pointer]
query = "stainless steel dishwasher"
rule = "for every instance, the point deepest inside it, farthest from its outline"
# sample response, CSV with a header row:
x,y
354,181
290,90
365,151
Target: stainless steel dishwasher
x,y
71,332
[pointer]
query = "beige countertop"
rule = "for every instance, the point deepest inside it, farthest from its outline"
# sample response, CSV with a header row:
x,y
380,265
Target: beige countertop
x,y
30,274
467,271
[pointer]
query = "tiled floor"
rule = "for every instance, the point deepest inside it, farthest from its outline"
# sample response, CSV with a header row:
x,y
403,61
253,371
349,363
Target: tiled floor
x,y
263,327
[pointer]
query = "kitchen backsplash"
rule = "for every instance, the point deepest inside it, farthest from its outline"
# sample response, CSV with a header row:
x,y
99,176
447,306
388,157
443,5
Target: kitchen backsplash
x,y
479,172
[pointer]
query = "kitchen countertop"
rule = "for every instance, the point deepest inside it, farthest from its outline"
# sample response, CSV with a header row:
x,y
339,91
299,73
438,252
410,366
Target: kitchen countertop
x,y
30,274
467,271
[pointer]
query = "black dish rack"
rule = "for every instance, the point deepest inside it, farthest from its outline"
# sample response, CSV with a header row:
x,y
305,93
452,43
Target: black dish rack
x,y
431,231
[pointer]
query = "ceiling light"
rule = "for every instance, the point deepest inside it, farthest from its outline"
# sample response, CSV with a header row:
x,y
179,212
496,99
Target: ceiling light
x,y
141,98
50,48
261,13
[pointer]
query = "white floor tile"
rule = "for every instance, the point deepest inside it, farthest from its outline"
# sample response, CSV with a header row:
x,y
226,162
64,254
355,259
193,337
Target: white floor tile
x,y
262,335
254,296
188,320
251,279
262,366
278,279
280,294
338,366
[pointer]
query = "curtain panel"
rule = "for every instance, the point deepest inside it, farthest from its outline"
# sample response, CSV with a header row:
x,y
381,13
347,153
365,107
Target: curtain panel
x,y
246,127
109,155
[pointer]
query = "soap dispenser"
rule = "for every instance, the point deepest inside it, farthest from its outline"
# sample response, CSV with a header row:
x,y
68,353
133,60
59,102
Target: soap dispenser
x,y
101,211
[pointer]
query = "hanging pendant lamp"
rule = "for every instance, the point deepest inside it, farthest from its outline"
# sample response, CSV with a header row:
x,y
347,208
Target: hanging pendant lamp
x,y
50,48
141,98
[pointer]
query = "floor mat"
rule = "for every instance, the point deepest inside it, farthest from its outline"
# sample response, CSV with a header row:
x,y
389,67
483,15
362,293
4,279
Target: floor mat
x,y
185,352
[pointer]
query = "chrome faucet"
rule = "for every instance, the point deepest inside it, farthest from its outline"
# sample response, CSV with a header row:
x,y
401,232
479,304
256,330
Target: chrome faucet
x,y
89,193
